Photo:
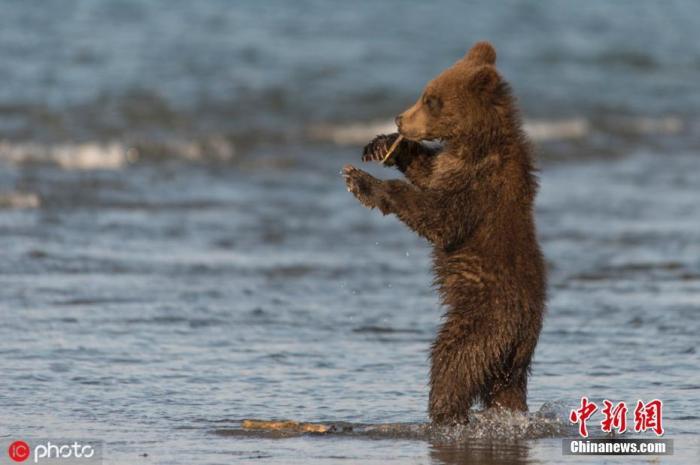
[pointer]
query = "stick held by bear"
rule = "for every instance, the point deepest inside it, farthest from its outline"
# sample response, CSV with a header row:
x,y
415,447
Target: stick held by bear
x,y
473,199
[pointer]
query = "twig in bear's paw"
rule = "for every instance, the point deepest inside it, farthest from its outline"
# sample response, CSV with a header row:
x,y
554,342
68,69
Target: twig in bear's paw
x,y
381,148
375,150
396,143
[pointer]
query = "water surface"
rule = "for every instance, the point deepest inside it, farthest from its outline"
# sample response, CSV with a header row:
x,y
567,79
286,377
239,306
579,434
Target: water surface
x,y
180,253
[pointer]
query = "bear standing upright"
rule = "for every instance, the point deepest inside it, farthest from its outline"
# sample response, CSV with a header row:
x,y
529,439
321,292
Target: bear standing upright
x,y
473,200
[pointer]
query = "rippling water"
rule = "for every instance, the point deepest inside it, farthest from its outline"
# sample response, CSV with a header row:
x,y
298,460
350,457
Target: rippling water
x,y
155,306
180,252
211,79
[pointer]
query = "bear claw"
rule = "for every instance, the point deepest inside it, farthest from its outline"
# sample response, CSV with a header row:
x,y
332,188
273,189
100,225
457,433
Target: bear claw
x,y
377,149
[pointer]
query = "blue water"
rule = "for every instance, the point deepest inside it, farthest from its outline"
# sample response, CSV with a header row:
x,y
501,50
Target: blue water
x,y
180,252
251,73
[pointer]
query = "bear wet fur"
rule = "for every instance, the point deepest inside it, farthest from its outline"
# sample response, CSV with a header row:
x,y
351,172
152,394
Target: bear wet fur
x,y
473,199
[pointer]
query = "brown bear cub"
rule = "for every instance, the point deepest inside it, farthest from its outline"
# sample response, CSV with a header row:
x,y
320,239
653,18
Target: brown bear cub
x,y
473,200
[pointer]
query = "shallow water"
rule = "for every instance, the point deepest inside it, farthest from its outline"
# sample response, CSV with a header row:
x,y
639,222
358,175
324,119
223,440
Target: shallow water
x,y
211,79
179,251
154,306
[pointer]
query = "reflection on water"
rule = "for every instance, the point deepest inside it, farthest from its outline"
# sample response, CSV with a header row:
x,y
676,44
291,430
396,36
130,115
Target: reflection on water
x,y
481,452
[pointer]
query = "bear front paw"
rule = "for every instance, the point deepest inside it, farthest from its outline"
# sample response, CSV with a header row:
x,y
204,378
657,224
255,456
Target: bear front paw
x,y
362,185
377,149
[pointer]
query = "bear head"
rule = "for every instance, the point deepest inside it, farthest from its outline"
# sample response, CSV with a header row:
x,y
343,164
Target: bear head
x,y
464,99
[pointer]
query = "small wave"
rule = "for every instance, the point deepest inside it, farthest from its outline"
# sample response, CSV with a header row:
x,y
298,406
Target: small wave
x,y
96,301
352,133
659,271
69,156
539,130
19,200
666,125
361,133
218,148
116,154
543,130
630,58
372,329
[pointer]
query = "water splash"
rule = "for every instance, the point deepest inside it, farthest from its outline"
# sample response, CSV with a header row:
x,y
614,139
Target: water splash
x,y
549,421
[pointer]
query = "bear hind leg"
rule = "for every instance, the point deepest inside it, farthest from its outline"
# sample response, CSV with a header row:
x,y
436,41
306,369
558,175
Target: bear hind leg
x,y
511,395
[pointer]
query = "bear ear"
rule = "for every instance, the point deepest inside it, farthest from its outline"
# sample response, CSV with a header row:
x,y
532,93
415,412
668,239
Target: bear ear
x,y
481,53
484,79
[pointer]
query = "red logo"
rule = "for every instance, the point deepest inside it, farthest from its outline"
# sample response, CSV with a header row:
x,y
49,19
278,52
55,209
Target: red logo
x,y
615,417
18,451
582,415
646,416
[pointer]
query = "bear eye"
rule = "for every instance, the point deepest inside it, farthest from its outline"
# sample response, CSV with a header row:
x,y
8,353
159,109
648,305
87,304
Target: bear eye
x,y
433,103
